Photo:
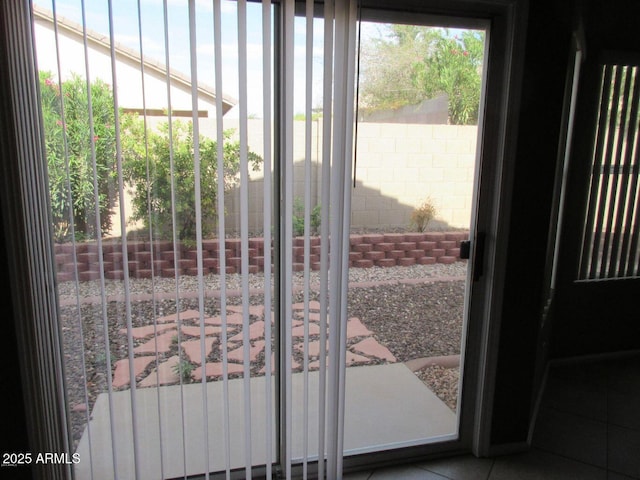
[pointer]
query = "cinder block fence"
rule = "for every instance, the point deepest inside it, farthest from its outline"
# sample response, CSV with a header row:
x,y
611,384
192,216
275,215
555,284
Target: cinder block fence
x,y
159,258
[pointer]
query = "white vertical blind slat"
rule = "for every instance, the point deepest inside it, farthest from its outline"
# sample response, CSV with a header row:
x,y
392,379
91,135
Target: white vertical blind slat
x,y
217,32
125,253
307,229
99,244
76,280
349,97
244,228
174,223
267,205
324,234
198,213
286,310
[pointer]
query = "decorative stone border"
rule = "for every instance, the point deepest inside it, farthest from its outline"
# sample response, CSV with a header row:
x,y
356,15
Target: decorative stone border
x,y
158,258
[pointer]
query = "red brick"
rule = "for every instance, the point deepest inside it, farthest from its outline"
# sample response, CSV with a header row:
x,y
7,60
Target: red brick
x,y
353,256
373,238
386,262
426,246
159,265
229,269
437,252
192,272
315,241
374,256
169,256
315,266
161,246
453,252
114,274
115,257
254,269
88,257
144,273
134,266
111,247
362,247
446,244
395,254
144,257
108,266
355,239
64,248
446,259
88,275
298,267
426,261
65,276
406,262
456,236
257,244
137,246
406,246
394,237
414,237
168,272
210,262
384,247
186,263
71,267
235,262
434,236
233,244
62,258
416,253
363,263
86,248
211,244
298,251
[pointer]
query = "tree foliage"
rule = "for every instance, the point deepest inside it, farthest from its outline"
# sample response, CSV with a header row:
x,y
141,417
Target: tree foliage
x,y
147,170
408,64
70,158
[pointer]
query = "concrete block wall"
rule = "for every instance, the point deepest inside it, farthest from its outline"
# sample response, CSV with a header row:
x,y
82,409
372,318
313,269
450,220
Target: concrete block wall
x,y
398,167
158,258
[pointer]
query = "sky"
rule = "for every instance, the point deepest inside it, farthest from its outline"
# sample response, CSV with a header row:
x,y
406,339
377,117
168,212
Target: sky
x,y
127,32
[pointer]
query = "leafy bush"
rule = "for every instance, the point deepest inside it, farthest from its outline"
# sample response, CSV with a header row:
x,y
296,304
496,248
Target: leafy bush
x,y
148,172
80,179
423,214
298,218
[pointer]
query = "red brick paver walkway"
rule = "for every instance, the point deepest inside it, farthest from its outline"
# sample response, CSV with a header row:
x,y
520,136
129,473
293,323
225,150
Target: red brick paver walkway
x,y
156,357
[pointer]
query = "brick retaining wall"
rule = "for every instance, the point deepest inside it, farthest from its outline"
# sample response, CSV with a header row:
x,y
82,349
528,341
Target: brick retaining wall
x,y
368,250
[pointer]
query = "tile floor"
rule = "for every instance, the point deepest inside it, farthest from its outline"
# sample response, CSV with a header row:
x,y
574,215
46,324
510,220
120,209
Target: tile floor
x,y
588,427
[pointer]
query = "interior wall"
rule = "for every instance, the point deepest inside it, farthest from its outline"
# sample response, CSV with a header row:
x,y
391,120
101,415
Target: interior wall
x,y
546,57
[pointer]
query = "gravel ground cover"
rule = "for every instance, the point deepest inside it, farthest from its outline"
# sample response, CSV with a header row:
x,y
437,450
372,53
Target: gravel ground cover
x,y
414,311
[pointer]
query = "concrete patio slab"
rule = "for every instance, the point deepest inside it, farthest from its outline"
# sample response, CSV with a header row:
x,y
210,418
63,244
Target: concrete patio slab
x,y
386,405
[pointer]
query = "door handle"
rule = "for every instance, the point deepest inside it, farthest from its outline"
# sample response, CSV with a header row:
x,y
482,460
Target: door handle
x,y
478,254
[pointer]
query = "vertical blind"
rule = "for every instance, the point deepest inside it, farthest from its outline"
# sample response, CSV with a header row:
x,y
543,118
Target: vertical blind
x,y
611,246
276,386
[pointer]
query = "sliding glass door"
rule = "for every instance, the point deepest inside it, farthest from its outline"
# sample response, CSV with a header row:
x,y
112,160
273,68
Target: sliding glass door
x,y
261,214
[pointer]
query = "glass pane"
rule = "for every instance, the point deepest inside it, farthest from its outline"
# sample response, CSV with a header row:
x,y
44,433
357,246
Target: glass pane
x,y
412,204
133,299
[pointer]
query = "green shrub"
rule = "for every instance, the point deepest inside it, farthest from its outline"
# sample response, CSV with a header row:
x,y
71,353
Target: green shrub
x,y
298,218
148,172
80,179
183,369
423,214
